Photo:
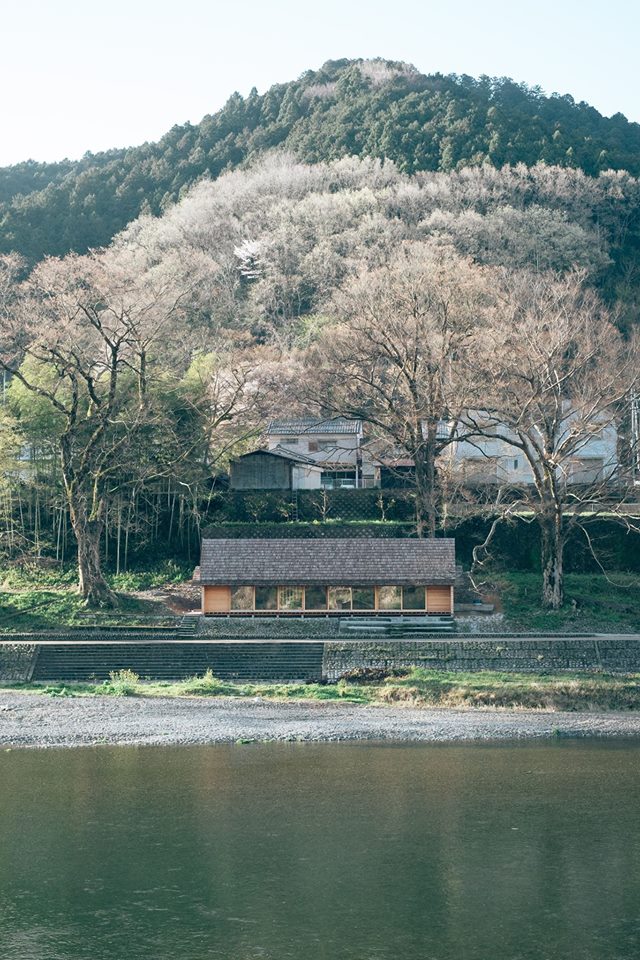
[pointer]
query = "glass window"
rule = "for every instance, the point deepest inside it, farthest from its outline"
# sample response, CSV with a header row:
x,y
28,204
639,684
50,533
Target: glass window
x,y
389,598
266,598
339,598
413,598
242,598
315,598
364,598
290,598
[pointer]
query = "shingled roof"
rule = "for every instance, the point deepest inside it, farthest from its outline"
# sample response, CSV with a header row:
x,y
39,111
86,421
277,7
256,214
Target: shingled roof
x,y
330,562
311,425
281,452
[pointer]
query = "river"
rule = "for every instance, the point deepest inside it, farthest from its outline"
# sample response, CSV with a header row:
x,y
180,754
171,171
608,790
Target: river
x,y
322,852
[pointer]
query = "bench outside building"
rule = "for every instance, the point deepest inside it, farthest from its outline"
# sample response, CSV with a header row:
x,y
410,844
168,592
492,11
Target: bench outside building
x,y
324,577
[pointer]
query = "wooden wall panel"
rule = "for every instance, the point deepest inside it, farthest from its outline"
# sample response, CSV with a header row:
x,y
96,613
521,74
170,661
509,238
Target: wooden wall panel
x,y
439,599
216,599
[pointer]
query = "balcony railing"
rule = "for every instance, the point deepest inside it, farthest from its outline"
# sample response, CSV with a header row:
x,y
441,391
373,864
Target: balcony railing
x,y
348,483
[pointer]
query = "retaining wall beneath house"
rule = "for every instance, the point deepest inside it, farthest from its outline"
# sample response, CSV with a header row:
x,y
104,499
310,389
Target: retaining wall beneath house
x,y
502,655
312,661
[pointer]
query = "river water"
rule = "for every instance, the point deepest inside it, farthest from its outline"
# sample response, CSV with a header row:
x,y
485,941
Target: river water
x,y
321,852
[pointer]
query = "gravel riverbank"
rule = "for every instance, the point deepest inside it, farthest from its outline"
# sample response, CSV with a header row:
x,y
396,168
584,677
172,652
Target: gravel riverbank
x,y
34,720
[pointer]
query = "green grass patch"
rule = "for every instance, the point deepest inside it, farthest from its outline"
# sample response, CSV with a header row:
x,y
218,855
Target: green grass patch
x,y
155,575
126,683
592,603
418,687
53,609
43,597
35,576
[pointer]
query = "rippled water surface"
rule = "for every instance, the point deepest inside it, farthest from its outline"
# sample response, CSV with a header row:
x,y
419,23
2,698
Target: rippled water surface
x,y
361,852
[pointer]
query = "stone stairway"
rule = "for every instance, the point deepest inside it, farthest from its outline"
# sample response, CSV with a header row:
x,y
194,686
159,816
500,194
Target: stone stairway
x,y
188,626
179,660
399,627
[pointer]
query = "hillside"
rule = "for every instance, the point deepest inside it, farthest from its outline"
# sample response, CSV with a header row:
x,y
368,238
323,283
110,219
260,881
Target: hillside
x,y
364,108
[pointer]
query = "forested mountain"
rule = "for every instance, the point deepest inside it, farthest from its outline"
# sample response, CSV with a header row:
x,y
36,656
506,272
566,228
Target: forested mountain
x,y
363,108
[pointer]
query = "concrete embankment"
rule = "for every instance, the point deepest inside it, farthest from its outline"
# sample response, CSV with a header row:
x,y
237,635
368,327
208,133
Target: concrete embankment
x,y
66,660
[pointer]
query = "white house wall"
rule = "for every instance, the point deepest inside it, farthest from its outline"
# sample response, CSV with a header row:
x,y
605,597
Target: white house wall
x,y
512,465
340,451
305,477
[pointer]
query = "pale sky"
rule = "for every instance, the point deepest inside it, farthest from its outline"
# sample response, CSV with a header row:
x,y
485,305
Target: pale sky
x,y
80,75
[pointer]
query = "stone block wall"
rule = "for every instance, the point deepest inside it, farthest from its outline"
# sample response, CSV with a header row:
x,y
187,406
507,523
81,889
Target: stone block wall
x,y
508,655
17,661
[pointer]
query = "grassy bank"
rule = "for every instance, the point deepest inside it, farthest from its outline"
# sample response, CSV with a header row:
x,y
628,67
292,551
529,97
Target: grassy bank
x,y
593,602
416,687
37,598
51,609
44,597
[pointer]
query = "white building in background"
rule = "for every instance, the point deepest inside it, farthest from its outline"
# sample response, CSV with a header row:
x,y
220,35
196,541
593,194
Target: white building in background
x,y
312,454
491,459
335,445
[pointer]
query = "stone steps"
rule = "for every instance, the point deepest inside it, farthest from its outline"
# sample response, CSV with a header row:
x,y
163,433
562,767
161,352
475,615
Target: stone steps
x,y
399,626
188,626
177,661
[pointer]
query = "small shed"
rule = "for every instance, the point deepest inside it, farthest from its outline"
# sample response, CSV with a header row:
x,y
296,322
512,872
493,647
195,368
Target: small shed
x,y
274,470
327,576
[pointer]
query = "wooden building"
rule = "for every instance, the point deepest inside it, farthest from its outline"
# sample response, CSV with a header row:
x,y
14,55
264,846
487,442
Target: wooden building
x,y
274,470
321,577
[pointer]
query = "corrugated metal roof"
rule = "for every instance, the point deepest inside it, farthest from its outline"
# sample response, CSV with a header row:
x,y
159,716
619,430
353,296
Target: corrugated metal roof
x,y
307,425
328,561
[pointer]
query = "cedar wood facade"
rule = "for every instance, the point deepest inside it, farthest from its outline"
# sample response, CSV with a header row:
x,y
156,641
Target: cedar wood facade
x,y
323,577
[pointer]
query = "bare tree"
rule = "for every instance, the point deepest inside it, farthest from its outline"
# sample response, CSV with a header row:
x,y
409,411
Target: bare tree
x,y
401,358
558,375
92,330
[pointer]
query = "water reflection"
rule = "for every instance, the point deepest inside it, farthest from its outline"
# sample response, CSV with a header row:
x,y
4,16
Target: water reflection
x,y
321,851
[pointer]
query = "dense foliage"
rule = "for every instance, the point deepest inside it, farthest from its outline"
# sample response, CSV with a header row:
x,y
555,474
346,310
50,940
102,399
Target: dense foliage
x,y
135,372
362,108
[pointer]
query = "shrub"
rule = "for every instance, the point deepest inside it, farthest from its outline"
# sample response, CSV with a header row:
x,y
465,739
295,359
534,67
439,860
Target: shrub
x,y
372,674
204,685
122,683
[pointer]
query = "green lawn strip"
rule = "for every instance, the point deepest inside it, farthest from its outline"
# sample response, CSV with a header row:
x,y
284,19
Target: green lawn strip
x,y
593,602
52,609
37,598
32,576
40,598
418,687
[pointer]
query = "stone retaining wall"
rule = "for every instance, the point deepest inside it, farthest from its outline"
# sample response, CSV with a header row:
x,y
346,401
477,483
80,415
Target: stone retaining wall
x,y
17,661
331,659
511,656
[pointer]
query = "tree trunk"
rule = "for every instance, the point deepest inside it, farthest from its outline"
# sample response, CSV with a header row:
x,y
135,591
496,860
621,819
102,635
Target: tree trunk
x,y
552,550
91,582
425,479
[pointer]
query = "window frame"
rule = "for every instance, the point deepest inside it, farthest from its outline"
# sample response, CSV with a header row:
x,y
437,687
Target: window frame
x,y
326,598
252,597
281,589
389,586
